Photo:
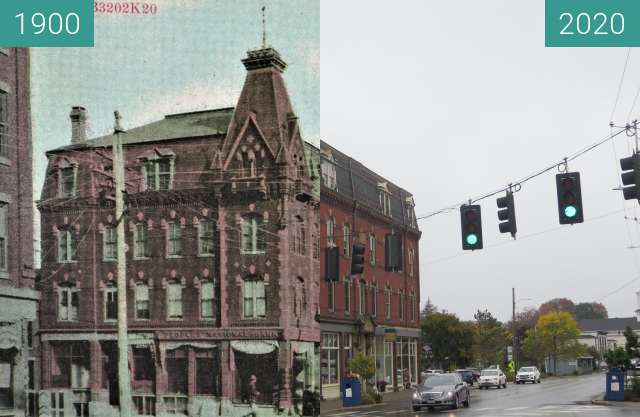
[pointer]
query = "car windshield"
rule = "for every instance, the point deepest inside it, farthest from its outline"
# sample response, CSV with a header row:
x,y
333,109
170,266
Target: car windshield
x,y
489,372
434,381
464,372
526,369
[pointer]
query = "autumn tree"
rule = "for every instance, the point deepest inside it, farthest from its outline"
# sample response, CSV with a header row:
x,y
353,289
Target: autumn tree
x,y
449,339
558,336
557,305
592,310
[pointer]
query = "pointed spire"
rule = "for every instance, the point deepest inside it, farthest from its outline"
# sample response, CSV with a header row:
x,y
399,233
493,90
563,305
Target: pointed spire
x,y
264,28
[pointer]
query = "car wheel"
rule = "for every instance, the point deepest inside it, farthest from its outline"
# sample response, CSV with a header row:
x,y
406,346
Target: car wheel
x,y
498,386
467,402
504,385
456,403
415,408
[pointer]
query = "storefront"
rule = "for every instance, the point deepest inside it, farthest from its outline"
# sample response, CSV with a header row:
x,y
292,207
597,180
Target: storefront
x,y
396,353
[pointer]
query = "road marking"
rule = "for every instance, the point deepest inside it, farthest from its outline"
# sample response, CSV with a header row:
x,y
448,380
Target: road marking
x,y
516,408
485,409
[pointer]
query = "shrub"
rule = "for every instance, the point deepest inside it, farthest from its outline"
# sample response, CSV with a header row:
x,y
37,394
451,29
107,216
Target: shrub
x,y
367,398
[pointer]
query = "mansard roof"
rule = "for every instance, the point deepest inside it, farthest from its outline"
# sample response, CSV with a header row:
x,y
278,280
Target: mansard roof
x,y
174,126
358,183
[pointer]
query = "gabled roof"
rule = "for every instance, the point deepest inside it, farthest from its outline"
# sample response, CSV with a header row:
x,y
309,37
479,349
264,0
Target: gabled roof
x,y
175,126
613,324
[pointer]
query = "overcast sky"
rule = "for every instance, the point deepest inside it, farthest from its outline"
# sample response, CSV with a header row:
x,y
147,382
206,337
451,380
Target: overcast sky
x,y
454,99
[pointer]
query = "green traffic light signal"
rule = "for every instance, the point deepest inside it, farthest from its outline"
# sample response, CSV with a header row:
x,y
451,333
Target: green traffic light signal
x,y
570,211
472,239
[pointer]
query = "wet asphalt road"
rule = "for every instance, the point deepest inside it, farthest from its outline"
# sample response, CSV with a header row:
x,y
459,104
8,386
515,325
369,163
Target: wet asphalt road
x,y
566,397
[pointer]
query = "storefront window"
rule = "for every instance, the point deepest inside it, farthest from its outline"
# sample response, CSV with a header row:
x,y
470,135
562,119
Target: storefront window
x,y
70,365
177,376
207,374
257,377
6,376
329,356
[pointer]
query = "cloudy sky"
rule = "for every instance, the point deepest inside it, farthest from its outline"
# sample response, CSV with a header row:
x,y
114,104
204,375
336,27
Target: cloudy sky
x,y
455,99
184,58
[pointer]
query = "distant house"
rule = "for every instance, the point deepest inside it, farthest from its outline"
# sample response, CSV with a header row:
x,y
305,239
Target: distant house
x,y
606,334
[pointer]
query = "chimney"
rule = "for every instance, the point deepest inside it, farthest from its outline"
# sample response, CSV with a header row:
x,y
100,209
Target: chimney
x,y
78,118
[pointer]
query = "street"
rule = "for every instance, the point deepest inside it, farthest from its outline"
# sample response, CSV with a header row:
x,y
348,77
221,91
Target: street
x,y
570,396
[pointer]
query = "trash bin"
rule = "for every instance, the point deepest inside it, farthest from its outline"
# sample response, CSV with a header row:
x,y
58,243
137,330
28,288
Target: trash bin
x,y
350,392
615,385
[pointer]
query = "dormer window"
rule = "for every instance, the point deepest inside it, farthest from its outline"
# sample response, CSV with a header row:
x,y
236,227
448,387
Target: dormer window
x,y
328,171
384,197
158,169
409,206
67,179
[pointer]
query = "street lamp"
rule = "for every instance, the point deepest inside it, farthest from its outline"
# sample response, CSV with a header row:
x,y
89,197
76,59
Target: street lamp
x,y
513,325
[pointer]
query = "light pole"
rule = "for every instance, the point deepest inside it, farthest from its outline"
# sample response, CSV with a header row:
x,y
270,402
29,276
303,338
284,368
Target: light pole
x,y
513,325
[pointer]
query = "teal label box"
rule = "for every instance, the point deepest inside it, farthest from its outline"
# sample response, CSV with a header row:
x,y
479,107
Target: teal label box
x,y
578,23
51,23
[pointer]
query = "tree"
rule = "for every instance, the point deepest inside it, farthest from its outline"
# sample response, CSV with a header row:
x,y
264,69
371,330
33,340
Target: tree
x,y
534,348
592,310
449,339
617,358
557,305
490,338
632,346
363,366
559,333
429,308
525,321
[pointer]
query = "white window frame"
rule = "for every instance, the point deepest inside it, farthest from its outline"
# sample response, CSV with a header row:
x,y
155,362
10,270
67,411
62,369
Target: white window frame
x,y
253,234
71,252
330,224
4,124
346,237
204,298
412,302
374,300
138,244
106,293
106,243
4,239
347,295
177,311
155,164
329,343
254,290
372,248
411,261
73,167
362,298
68,291
202,237
176,240
388,302
332,296
137,299
401,304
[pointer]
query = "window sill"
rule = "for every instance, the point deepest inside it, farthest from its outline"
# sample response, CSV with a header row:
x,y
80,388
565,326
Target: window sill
x,y
205,255
5,161
67,262
175,256
208,319
110,321
252,253
4,275
254,318
109,260
141,258
137,319
175,318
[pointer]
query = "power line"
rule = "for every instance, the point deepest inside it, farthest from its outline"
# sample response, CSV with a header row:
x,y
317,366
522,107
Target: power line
x,y
624,70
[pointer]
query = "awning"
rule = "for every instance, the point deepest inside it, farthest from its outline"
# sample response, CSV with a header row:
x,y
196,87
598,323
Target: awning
x,y
254,347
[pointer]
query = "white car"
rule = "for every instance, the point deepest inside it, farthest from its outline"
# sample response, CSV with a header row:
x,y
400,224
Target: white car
x,y
528,374
492,378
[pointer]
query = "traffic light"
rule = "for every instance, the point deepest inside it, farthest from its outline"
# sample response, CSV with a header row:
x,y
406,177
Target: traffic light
x,y
507,214
357,259
332,264
569,198
631,176
471,222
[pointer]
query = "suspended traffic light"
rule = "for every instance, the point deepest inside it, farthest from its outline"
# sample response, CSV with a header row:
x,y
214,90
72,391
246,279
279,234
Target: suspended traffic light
x,y
332,264
357,259
471,222
631,176
507,214
569,198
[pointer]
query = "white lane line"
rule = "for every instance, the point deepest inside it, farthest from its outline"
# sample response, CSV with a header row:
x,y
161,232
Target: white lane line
x,y
516,408
343,414
485,409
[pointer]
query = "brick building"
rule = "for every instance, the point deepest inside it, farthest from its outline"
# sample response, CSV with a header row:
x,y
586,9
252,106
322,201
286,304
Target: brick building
x,y
376,312
17,295
222,261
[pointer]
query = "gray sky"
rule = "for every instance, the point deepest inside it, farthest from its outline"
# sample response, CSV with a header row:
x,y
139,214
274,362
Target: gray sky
x,y
454,99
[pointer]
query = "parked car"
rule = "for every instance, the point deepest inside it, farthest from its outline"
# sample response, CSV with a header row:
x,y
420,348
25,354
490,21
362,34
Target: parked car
x,y
443,390
476,373
466,375
528,374
492,378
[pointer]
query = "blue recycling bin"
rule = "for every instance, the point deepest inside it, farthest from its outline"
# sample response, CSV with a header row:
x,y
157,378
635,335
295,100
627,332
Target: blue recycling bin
x,y
350,392
615,385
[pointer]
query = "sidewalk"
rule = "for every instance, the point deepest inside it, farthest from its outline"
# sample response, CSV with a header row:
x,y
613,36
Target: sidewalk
x,y
390,396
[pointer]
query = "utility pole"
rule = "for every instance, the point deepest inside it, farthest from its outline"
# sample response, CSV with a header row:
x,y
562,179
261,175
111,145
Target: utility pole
x,y
513,325
124,382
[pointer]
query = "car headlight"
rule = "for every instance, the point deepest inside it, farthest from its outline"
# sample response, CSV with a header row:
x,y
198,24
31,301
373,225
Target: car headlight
x,y
416,396
450,394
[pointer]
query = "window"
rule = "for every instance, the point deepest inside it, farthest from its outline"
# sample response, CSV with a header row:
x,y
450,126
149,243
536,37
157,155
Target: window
x,y
330,239
110,243
177,376
67,246
207,366
205,237
159,174
372,248
253,239
347,348
299,237
362,306
174,239
6,377
70,365
411,261
254,298
207,295
4,125
4,236
328,172
388,301
110,303
315,241
401,304
374,300
347,296
174,301
140,244
68,302
332,296
30,334
412,306
68,181
143,365
346,236
329,359
384,198
142,302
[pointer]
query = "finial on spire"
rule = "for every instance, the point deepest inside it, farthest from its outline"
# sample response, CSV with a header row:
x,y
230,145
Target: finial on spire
x,y
264,28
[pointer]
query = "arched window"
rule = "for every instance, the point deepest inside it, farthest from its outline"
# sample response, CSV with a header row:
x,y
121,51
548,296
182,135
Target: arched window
x,y
253,294
253,234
